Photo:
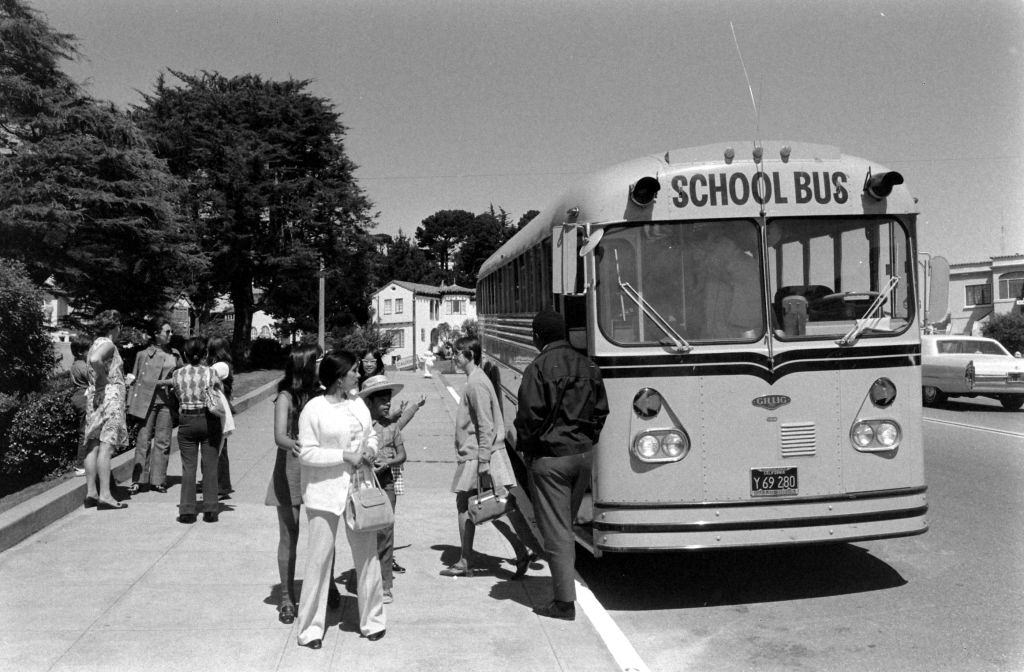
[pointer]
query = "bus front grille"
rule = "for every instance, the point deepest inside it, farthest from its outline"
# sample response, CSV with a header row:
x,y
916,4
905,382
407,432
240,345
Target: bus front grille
x,y
797,439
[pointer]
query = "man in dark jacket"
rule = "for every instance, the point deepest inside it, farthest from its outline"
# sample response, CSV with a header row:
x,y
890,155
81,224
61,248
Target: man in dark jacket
x,y
562,408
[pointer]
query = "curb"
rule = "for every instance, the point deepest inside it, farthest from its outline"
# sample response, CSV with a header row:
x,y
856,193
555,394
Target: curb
x,y
32,515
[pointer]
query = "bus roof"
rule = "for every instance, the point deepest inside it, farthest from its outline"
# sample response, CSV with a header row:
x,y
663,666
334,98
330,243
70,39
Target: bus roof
x,y
718,181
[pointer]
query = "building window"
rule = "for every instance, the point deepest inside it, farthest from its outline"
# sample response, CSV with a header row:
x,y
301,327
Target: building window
x,y
978,295
397,338
435,310
1010,285
457,307
398,306
387,306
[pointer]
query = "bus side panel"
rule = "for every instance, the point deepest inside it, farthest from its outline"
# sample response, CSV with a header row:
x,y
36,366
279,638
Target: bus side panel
x,y
868,472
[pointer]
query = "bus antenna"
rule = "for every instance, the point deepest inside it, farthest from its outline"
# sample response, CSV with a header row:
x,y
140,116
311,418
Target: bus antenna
x,y
753,102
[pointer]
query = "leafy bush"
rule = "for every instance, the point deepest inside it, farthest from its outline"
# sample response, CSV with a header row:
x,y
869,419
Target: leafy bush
x,y
266,353
26,351
42,437
1008,329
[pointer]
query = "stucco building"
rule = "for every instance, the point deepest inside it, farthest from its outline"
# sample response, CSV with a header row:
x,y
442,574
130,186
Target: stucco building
x,y
413,314
980,289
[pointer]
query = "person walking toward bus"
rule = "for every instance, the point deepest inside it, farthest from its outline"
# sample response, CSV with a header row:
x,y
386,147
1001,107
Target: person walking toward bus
x,y
152,403
480,450
562,409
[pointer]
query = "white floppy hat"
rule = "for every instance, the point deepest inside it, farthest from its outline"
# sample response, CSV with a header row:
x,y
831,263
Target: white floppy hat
x,y
378,383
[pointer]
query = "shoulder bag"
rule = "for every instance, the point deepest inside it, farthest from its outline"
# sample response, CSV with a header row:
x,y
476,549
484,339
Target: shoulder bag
x,y
368,508
485,506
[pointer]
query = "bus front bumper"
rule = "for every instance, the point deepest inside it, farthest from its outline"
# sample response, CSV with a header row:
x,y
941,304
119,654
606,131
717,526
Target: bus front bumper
x,y
855,517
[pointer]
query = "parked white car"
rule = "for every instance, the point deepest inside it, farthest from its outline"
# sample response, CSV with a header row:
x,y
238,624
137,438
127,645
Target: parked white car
x,y
970,366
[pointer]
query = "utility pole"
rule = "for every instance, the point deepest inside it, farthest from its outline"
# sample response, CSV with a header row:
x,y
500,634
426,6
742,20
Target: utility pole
x,y
321,331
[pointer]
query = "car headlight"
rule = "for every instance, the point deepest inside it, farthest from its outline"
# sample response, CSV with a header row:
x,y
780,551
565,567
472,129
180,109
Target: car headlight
x,y
661,445
875,436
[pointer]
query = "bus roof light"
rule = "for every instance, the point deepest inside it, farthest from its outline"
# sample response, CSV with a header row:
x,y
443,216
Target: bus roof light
x,y
644,191
879,186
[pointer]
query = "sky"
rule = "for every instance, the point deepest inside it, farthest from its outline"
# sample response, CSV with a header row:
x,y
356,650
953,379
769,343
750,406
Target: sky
x,y
467,104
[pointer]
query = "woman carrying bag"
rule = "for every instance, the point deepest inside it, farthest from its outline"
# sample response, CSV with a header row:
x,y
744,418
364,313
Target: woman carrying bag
x,y
480,446
336,438
199,433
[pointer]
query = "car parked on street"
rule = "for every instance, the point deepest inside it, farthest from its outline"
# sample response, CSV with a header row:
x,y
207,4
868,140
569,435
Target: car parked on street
x,y
970,366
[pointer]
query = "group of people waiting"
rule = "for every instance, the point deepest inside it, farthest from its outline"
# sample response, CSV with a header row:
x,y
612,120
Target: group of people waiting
x,y
334,427
165,389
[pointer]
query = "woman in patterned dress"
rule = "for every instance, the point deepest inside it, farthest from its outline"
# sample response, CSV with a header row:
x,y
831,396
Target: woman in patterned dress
x,y
106,428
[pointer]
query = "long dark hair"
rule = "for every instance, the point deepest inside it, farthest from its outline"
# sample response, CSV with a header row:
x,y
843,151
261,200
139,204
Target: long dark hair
x,y
300,375
334,365
218,349
195,348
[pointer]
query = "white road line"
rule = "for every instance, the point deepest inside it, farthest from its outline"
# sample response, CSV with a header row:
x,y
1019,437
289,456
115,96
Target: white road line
x,y
980,429
618,645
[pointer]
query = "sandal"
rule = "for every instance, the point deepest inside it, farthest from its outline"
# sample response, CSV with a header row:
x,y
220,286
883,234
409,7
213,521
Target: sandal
x,y
286,614
457,570
103,505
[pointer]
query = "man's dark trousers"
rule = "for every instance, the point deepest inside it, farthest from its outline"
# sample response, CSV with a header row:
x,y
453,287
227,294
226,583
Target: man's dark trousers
x,y
559,484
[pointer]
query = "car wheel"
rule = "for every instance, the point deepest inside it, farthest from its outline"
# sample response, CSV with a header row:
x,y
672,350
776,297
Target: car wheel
x,y
932,395
1012,402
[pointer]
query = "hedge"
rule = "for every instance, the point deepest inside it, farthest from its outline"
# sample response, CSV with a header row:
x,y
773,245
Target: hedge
x,y
42,438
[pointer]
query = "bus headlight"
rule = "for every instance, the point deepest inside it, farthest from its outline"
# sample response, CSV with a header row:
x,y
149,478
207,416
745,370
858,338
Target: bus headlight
x,y
662,445
875,436
647,447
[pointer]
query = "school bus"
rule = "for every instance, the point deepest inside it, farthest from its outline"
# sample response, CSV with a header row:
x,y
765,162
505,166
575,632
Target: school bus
x,y
752,307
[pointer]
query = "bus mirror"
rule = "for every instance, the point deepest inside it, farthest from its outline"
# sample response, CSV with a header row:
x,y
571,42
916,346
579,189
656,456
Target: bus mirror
x,y
565,267
937,304
593,239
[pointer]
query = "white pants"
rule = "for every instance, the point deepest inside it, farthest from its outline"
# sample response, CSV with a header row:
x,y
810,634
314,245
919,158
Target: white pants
x,y
322,534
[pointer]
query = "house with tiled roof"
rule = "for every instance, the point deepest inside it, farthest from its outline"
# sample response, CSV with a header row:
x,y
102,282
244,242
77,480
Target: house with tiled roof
x,y
412,313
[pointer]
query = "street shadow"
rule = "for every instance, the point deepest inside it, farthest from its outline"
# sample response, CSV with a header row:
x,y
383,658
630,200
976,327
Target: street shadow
x,y
482,564
346,616
648,581
966,404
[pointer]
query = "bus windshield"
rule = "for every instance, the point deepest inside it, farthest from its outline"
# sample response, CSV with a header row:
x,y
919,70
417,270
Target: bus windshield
x,y
692,282
835,276
700,281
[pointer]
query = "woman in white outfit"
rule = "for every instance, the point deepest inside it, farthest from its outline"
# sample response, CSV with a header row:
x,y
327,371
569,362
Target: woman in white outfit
x,y
335,438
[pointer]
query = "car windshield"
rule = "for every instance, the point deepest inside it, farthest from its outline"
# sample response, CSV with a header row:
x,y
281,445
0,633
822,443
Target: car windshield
x,y
680,283
845,277
970,347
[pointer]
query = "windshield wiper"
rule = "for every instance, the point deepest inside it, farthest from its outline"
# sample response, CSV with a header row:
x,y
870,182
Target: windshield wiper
x,y
862,324
679,343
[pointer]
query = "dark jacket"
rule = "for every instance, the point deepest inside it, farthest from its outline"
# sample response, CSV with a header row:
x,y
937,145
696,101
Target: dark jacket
x,y
562,403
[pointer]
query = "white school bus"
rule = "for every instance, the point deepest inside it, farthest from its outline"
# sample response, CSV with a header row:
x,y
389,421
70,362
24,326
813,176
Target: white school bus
x,y
753,310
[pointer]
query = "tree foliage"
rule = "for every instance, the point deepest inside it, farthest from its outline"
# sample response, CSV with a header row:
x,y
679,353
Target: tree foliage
x,y
1008,329
486,234
26,351
82,199
441,234
270,190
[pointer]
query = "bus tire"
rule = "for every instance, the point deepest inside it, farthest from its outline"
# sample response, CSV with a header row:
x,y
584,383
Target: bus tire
x,y
1012,402
932,396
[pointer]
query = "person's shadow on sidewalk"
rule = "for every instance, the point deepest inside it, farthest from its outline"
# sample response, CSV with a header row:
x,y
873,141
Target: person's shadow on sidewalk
x,y
347,614
482,563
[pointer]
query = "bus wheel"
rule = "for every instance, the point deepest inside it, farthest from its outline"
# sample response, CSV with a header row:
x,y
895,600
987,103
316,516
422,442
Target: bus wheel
x,y
1012,402
932,395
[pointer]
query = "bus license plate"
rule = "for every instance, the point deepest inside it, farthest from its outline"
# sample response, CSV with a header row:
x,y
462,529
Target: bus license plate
x,y
773,482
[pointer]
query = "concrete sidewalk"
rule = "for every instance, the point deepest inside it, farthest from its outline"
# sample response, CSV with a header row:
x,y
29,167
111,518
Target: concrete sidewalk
x,y
135,590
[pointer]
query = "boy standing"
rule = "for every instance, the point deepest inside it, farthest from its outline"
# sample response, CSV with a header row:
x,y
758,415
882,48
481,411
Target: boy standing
x,y
377,392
